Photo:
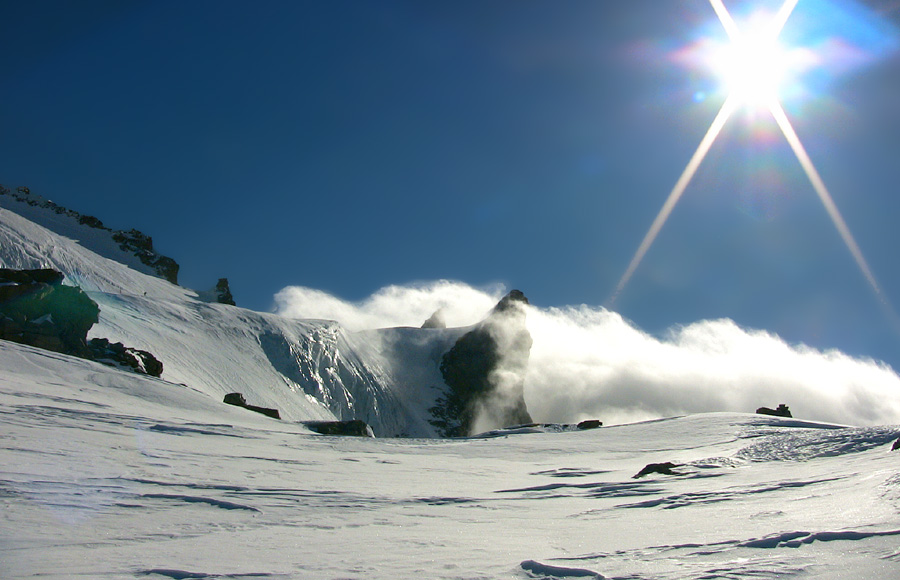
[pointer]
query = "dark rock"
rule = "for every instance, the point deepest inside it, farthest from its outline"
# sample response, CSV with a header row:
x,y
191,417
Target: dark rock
x,y
355,428
135,240
41,312
661,468
90,221
237,399
436,320
166,267
896,445
38,310
781,411
141,245
590,424
40,276
223,292
485,371
139,361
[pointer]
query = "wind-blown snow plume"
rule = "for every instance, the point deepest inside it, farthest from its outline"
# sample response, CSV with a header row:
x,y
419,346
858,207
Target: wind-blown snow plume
x,y
411,305
589,362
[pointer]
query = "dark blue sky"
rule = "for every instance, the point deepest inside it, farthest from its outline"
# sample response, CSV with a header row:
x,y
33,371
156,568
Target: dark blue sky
x,y
347,145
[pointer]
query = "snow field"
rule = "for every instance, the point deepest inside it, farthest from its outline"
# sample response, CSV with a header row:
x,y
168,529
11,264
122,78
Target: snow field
x,y
113,475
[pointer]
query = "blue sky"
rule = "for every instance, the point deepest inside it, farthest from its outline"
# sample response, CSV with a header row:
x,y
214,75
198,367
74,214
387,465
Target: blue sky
x,y
348,145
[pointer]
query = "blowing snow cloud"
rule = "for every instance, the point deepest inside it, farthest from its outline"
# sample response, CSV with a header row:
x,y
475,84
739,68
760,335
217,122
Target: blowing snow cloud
x,y
589,362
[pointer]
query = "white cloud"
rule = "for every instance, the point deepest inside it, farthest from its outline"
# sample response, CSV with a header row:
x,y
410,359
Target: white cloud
x,y
588,362
411,305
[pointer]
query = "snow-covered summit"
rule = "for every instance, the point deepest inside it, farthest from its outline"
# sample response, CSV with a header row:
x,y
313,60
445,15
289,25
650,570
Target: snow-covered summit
x,y
130,247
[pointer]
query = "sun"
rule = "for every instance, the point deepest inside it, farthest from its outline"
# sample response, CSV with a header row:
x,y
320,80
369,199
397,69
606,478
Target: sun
x,y
753,66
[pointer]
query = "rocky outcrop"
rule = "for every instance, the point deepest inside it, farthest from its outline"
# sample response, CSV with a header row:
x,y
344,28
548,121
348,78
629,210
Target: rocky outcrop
x,y
238,400
223,292
485,373
355,428
132,241
141,245
218,294
117,354
781,411
37,310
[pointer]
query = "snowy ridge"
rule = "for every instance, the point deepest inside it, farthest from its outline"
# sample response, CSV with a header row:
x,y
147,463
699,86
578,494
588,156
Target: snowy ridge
x,y
131,248
308,370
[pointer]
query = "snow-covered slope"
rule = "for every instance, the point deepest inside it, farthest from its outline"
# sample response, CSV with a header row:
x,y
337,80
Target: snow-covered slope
x,y
111,475
308,370
132,248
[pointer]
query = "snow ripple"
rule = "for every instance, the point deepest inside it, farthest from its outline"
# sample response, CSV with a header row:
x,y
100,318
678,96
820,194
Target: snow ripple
x,y
805,444
219,503
728,494
185,575
797,539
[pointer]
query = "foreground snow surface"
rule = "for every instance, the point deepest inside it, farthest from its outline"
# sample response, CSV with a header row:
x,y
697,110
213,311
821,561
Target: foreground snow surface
x,y
113,475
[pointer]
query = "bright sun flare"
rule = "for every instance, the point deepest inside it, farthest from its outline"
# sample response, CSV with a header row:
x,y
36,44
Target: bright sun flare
x,y
754,65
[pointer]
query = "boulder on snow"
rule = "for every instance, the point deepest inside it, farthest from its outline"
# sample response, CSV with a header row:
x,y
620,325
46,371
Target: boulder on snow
x,y
117,354
896,445
590,424
355,428
485,373
37,310
38,276
661,468
781,411
237,399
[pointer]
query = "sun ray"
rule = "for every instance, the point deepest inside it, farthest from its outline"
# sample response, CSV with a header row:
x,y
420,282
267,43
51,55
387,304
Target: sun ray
x,y
724,113
725,18
782,16
819,186
731,103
